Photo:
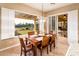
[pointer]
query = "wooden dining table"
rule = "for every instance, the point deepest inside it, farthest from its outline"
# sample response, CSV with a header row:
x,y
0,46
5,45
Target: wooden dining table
x,y
36,40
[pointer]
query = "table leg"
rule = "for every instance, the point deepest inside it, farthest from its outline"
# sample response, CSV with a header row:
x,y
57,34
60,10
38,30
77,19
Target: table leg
x,y
34,51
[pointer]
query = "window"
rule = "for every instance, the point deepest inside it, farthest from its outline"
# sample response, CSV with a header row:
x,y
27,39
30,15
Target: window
x,y
23,26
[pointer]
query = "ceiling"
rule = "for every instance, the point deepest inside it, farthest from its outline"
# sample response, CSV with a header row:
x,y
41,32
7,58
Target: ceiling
x,y
47,6
24,16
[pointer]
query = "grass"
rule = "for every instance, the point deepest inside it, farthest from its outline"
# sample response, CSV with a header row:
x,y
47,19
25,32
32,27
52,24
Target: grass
x,y
22,30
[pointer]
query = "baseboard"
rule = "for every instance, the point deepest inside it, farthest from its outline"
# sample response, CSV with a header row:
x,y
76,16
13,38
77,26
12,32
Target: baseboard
x,y
9,47
68,51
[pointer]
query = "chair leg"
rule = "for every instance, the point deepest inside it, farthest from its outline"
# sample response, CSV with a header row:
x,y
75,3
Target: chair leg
x,y
50,47
47,50
54,44
41,52
24,53
34,51
21,52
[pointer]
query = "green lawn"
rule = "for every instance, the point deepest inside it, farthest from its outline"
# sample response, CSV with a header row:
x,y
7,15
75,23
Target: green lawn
x,y
22,30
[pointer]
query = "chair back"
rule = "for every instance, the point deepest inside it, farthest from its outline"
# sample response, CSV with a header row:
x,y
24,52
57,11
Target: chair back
x,y
51,32
30,33
45,41
53,38
38,32
22,43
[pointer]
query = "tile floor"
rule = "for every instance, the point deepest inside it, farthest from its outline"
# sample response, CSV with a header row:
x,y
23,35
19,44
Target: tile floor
x,y
73,50
60,49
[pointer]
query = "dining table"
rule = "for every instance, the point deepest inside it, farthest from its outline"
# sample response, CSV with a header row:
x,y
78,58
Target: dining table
x,y
36,40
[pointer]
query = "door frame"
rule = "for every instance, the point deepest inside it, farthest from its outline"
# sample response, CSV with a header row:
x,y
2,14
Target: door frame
x,y
56,15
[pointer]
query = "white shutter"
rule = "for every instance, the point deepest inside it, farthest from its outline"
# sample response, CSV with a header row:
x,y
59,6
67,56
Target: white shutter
x,y
7,23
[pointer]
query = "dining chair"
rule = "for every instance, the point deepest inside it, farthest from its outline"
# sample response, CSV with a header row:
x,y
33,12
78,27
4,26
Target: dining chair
x,y
27,41
25,48
52,41
51,32
30,33
44,44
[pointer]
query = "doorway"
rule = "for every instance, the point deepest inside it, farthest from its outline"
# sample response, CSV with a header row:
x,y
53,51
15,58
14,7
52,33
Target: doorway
x,y
62,25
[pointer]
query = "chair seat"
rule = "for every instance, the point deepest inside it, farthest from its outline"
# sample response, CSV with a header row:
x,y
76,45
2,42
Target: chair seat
x,y
28,48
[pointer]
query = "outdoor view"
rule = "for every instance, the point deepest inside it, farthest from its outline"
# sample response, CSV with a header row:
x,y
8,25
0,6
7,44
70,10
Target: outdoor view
x,y
23,26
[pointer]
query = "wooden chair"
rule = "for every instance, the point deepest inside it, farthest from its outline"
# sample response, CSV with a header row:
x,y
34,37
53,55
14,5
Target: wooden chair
x,y
51,32
38,32
27,41
52,41
25,48
44,44
30,33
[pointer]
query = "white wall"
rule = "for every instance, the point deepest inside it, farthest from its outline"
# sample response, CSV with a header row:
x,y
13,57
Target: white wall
x,y
73,27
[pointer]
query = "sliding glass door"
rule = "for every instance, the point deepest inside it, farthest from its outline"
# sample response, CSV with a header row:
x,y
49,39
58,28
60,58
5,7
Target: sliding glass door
x,y
51,24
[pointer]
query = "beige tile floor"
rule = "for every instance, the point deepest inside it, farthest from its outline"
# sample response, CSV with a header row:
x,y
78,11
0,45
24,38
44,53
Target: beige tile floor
x,y
73,50
60,49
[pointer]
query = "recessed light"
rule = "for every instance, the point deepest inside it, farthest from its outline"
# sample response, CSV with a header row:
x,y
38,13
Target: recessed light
x,y
52,3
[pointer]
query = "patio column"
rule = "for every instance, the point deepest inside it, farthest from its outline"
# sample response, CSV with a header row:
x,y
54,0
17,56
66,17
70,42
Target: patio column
x,y
35,25
45,29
